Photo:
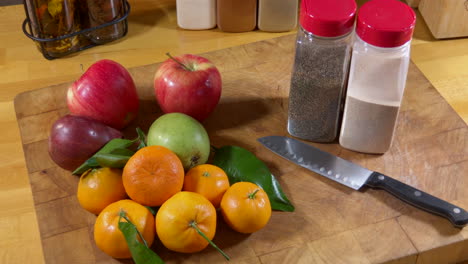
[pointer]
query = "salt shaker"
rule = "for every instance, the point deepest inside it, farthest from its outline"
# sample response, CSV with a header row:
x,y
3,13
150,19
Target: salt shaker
x,y
277,15
236,15
318,80
196,14
377,77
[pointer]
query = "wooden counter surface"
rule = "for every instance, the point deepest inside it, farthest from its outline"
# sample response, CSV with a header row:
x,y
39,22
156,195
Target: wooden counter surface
x,y
152,32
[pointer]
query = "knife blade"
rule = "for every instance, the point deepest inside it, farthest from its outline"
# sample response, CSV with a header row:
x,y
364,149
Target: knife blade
x,y
355,176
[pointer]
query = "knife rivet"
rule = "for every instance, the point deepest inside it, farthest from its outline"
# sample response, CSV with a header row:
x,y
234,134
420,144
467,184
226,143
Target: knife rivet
x,y
456,210
381,177
337,175
322,169
417,193
345,179
330,172
300,159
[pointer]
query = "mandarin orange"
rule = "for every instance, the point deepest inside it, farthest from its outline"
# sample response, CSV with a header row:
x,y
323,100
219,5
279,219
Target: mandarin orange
x,y
152,175
208,180
107,234
100,187
246,207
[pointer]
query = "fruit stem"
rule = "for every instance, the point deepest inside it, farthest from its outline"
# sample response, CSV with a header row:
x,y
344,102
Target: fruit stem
x,y
122,215
252,195
141,138
86,173
179,62
214,148
194,225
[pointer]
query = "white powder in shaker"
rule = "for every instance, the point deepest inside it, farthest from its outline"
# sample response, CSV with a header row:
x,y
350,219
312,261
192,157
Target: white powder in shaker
x,y
373,101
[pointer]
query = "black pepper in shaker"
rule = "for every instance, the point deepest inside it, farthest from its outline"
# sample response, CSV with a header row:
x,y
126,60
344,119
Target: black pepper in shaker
x,y
321,65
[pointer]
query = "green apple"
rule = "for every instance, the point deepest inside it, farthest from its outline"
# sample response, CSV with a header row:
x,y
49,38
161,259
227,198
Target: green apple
x,y
182,134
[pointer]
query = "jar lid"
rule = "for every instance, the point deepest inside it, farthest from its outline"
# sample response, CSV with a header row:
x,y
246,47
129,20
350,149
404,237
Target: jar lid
x,y
328,18
385,23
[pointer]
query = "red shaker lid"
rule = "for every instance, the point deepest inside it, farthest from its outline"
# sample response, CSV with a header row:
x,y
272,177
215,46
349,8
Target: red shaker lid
x,y
385,23
328,18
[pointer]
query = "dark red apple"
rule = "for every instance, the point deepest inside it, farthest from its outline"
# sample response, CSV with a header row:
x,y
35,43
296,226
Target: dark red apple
x,y
188,84
74,139
105,92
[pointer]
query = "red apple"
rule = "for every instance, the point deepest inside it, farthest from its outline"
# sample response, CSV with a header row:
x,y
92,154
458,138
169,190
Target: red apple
x,y
74,139
188,84
105,92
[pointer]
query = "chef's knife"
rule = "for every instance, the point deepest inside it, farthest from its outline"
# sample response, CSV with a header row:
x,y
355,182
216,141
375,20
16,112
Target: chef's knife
x,y
355,176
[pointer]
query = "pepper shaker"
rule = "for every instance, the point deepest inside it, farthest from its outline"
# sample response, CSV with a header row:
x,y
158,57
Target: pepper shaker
x,y
377,78
318,81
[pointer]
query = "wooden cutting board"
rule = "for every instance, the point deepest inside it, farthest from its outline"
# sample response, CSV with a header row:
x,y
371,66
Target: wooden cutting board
x,y
331,224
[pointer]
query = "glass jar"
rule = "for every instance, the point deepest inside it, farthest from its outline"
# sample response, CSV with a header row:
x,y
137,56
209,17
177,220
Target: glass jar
x,y
377,78
51,19
236,15
277,15
196,14
320,70
100,12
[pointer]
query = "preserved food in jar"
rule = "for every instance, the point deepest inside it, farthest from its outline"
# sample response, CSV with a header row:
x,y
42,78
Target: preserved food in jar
x,y
51,19
101,12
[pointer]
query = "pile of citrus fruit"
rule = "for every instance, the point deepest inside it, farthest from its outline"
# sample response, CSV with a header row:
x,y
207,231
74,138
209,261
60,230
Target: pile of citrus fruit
x,y
185,200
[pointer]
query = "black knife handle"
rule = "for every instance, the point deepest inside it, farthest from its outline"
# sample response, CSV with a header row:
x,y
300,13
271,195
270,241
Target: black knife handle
x,y
420,199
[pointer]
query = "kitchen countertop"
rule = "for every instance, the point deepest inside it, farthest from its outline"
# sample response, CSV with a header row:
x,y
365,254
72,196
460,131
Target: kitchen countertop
x,y
153,31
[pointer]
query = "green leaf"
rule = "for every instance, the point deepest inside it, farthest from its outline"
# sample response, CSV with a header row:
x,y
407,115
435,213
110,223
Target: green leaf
x,y
242,165
153,210
114,154
123,152
112,145
116,143
92,163
141,253
112,160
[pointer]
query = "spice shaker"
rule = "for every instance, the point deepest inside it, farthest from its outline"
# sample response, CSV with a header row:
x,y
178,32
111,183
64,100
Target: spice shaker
x,y
277,15
377,78
236,15
196,14
318,80
50,19
100,12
